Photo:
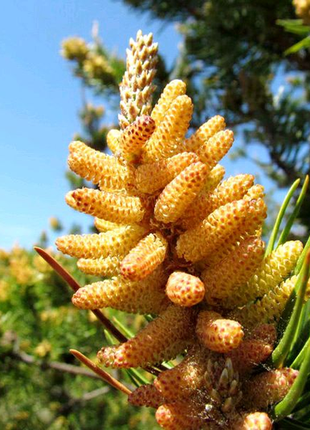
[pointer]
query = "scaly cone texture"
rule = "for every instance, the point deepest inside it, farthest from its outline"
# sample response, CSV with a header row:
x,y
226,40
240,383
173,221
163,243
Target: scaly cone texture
x,y
145,257
233,271
109,266
256,347
136,88
269,387
180,193
254,421
218,334
184,289
134,137
184,379
161,340
184,245
146,395
97,167
233,188
146,296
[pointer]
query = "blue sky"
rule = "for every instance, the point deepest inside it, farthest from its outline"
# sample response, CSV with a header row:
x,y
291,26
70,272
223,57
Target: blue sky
x,y
39,100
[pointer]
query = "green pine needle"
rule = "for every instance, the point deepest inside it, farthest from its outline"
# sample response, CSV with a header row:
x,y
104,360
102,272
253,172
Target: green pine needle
x,y
137,376
125,330
109,338
280,353
301,356
302,257
286,406
293,216
303,44
280,217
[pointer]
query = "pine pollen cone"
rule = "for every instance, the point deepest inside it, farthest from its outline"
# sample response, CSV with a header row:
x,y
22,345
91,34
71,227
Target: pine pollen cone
x,y
178,242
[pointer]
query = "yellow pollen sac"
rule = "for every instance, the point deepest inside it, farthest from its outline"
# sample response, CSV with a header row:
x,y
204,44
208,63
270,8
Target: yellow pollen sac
x,y
269,308
168,136
134,137
184,289
234,188
255,349
161,340
103,225
146,395
255,192
118,208
109,266
181,415
113,140
154,176
141,297
116,242
149,253
215,148
218,334
207,130
252,421
171,91
198,242
255,217
275,267
180,192
234,270
99,168
268,388
182,380
214,178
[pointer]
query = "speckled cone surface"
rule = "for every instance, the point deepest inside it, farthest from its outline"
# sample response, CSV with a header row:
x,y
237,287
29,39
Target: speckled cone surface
x,y
178,241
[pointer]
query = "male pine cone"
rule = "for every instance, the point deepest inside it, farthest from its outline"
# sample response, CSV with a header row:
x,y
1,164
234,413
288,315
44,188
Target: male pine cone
x,y
184,246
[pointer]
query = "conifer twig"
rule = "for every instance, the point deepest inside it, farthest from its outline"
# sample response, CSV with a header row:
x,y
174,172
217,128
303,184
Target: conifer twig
x,y
104,375
65,275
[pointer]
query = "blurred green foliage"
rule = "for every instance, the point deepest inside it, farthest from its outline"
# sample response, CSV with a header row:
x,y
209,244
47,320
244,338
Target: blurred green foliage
x,y
38,326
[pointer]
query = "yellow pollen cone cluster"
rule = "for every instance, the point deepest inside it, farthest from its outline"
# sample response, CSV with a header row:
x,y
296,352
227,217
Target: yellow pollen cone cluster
x,y
178,242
